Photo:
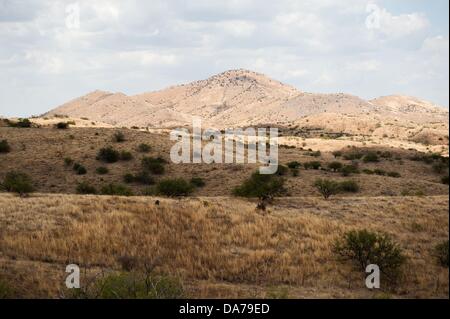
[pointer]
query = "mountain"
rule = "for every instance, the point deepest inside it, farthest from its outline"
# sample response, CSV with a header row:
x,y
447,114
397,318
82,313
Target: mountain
x,y
240,98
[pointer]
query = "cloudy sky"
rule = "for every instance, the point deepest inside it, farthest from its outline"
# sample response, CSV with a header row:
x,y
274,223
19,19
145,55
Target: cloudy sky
x,y
367,48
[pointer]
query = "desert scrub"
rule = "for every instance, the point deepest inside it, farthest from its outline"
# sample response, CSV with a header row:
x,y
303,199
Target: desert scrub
x,y
132,285
144,148
326,188
394,174
116,189
364,247
4,147
17,182
294,165
312,165
154,165
261,186
102,170
21,123
126,156
335,166
79,169
444,180
85,189
108,155
282,170
68,162
119,137
197,182
349,187
371,157
62,125
442,253
174,187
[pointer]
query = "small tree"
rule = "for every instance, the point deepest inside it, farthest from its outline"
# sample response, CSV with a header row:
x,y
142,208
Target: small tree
x,y
17,182
108,155
119,137
364,248
174,187
326,187
371,157
4,147
261,186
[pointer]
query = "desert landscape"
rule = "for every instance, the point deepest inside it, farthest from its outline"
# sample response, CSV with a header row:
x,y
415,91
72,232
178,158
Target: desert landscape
x,y
91,183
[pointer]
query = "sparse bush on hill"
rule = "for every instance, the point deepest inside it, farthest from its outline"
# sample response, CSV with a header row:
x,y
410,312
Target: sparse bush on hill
x,y
144,178
371,157
128,178
349,187
282,170
312,165
126,156
314,154
368,171
326,188
363,248
442,253
116,189
353,156
335,166
294,164
68,161
4,147
154,165
17,182
144,148
102,170
337,154
261,186
21,123
174,187
386,154
119,137
380,172
445,180
132,285
394,174
348,170
79,169
62,125
108,155
86,189
439,167
198,182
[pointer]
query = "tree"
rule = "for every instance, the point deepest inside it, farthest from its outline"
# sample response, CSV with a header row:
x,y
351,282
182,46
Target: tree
x,y
326,187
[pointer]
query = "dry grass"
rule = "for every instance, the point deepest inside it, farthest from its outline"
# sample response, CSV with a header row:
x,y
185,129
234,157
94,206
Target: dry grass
x,y
219,247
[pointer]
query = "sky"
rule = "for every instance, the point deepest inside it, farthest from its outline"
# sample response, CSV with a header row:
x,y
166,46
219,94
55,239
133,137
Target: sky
x,y
54,51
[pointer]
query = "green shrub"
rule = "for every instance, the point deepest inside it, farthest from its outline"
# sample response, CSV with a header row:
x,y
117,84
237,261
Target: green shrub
x,y
144,148
314,154
348,170
68,161
313,165
294,165
79,169
380,172
442,253
394,174
128,178
144,178
154,165
371,157
86,189
444,180
363,248
119,137
353,156
174,187
126,156
21,123
132,285
4,147
17,182
62,125
326,188
102,170
116,189
335,166
108,155
349,187
337,154
198,182
386,154
261,186
368,171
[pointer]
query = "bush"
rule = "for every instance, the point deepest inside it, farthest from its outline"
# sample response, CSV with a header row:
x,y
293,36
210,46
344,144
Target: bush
x,y
108,155
102,170
337,154
144,178
439,168
68,161
444,180
364,248
116,189
119,137
21,123
326,187
295,172
442,253
132,285
386,154
394,174
62,125
368,171
79,169
198,182
353,156
281,170
174,187
348,170
128,178
380,172
4,147
371,157
154,165
126,156
261,186
144,148
314,165
314,154
349,187
6,292
85,189
17,182
294,165
335,166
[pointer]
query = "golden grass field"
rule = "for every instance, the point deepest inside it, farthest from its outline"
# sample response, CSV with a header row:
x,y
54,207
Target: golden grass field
x,y
218,245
